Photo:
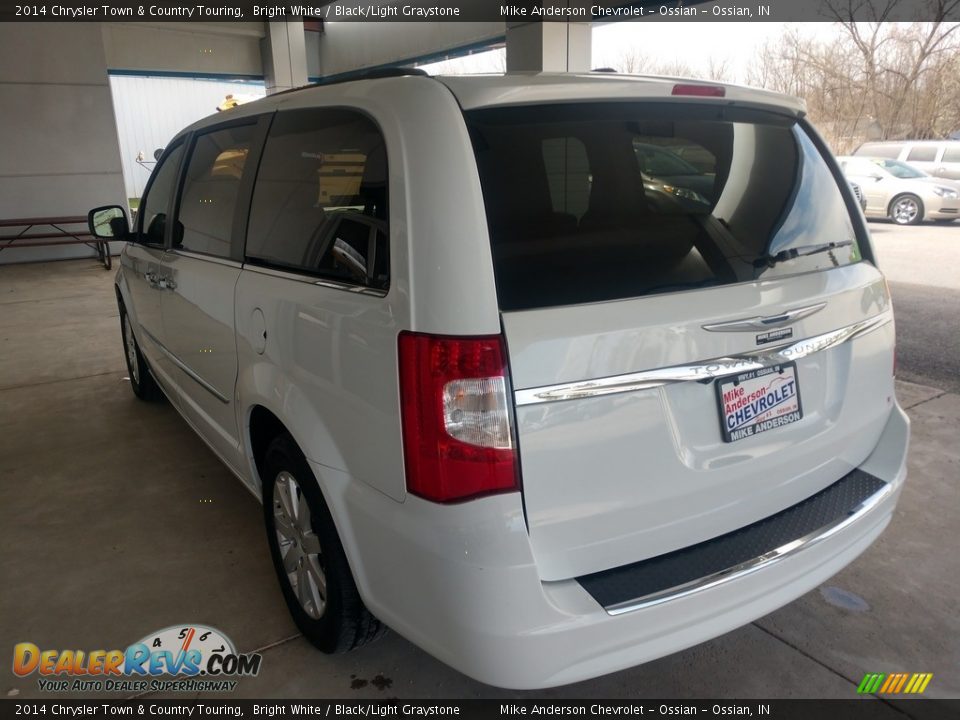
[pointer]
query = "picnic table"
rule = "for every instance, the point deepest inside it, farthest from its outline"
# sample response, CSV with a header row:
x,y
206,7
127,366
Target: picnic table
x,y
44,231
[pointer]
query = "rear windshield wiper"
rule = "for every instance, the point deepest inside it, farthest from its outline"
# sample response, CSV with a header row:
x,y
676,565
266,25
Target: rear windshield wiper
x,y
802,251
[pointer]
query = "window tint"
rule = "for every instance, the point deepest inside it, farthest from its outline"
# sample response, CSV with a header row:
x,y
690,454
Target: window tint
x,y
320,200
667,177
882,150
951,154
210,187
568,177
663,161
923,153
152,215
757,198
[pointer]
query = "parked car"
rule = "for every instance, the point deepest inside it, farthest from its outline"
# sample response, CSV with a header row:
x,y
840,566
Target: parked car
x,y
940,158
491,395
858,193
895,190
670,181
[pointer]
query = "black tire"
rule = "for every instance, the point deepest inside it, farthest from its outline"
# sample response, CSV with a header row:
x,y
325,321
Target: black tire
x,y
143,384
906,209
343,623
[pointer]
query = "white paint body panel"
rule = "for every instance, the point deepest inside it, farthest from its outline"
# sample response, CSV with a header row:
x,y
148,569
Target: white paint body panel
x,y
487,585
198,324
480,605
616,479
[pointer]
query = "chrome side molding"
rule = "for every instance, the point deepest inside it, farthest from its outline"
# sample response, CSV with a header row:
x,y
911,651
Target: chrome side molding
x,y
762,561
765,323
701,371
183,366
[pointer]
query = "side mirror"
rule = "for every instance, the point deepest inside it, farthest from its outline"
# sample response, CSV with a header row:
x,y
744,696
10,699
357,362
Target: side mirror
x,y
108,223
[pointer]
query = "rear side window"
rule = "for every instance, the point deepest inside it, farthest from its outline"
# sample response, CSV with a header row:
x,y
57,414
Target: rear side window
x,y
589,203
881,150
320,200
922,153
210,189
951,154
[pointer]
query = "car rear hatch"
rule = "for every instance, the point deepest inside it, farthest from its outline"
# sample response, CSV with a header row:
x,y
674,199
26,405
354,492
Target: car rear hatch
x,y
695,343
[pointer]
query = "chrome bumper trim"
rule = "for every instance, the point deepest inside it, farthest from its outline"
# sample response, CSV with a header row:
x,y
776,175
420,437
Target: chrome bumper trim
x,y
701,371
757,563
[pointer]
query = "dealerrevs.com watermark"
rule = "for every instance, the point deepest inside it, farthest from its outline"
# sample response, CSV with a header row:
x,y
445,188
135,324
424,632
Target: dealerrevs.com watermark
x,y
180,658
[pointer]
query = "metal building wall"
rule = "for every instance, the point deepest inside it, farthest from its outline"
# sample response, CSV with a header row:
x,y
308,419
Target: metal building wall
x,y
58,152
151,110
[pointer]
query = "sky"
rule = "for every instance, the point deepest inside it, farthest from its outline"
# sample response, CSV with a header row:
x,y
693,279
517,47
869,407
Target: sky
x,y
693,43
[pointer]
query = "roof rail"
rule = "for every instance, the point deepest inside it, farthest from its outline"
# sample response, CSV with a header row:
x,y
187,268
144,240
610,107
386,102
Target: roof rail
x,y
604,70
372,74
375,74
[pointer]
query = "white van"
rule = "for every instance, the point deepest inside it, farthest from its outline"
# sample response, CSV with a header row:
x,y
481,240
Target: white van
x,y
940,158
543,412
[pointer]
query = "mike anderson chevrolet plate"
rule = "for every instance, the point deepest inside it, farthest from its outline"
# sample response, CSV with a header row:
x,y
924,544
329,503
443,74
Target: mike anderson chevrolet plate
x,y
760,400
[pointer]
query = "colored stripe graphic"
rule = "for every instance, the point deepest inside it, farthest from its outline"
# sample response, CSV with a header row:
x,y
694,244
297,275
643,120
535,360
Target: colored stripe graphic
x,y
894,683
871,683
899,686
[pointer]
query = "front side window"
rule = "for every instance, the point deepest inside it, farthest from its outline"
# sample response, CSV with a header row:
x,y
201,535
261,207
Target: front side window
x,y
210,190
320,200
951,154
597,202
900,169
152,214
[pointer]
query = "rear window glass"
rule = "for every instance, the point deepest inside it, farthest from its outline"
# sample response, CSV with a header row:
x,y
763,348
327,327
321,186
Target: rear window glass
x,y
589,203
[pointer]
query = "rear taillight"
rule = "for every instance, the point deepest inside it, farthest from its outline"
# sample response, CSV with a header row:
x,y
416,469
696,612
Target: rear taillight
x,y
699,90
457,435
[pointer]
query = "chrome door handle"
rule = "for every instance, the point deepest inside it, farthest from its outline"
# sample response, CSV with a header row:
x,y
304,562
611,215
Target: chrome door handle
x,y
166,283
150,278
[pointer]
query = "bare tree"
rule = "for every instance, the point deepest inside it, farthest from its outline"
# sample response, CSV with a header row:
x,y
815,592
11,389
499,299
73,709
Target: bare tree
x,y
633,62
878,79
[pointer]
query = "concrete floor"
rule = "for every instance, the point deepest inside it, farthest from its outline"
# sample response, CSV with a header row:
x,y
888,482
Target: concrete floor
x,y
106,536
921,264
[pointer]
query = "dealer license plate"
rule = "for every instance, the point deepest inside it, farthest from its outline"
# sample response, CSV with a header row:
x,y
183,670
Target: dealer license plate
x,y
757,401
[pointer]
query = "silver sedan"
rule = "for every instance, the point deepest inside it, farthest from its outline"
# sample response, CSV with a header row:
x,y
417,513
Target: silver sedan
x,y
900,192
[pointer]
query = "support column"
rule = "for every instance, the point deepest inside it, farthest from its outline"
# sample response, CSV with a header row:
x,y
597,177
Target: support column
x,y
549,47
284,56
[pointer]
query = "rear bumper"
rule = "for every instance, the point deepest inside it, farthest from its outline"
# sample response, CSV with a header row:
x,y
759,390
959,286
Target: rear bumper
x,y
460,582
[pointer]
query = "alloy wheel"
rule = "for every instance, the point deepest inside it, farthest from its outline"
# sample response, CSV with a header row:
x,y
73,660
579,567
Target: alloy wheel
x,y
905,211
131,347
299,545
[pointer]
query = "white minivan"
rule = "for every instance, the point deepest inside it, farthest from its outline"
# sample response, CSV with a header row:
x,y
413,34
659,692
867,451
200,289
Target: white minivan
x,y
939,158
543,412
